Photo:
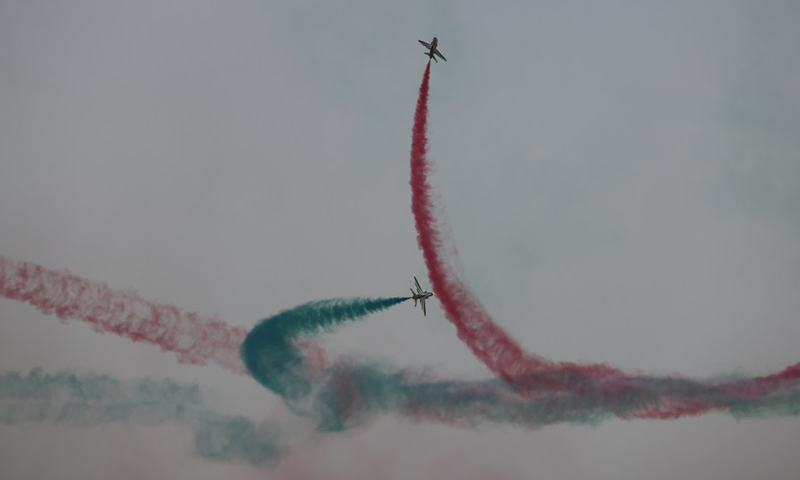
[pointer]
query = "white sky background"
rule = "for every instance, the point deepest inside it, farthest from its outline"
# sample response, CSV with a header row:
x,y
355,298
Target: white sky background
x,y
622,181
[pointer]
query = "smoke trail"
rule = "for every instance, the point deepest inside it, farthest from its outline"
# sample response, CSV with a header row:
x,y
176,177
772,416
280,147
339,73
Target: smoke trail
x,y
529,374
194,339
233,438
344,394
490,343
348,393
273,359
90,400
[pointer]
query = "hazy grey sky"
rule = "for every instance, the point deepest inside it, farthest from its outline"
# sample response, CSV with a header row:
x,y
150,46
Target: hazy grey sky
x,y
622,180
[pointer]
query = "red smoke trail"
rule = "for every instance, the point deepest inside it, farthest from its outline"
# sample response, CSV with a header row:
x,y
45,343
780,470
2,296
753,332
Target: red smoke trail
x,y
527,372
490,343
194,339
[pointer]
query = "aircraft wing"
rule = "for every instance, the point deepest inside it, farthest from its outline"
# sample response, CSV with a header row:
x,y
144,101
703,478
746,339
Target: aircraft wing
x,y
424,313
436,52
427,45
419,289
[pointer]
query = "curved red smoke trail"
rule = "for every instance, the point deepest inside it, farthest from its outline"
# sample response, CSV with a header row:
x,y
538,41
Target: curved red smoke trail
x,y
528,373
490,343
197,340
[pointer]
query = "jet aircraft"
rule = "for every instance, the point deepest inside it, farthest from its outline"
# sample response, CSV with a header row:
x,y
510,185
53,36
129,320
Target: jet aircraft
x,y
432,50
420,295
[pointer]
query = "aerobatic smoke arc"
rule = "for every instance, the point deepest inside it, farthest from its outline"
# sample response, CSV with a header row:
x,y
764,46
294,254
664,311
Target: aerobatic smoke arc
x,y
346,392
489,342
269,352
530,374
341,394
272,354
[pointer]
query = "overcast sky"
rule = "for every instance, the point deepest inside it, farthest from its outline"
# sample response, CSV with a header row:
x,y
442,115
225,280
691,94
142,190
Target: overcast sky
x,y
622,180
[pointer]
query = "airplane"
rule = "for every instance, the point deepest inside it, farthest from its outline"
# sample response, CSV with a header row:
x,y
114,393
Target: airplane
x,y
421,295
432,49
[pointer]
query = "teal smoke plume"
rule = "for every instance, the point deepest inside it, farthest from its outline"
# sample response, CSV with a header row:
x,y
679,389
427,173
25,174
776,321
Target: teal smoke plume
x,y
89,400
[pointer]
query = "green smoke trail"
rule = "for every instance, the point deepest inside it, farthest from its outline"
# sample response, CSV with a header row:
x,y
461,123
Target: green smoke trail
x,y
232,438
350,393
90,400
275,362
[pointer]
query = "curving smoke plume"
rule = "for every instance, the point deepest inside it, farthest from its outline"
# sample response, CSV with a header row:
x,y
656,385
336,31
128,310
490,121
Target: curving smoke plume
x,y
346,392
